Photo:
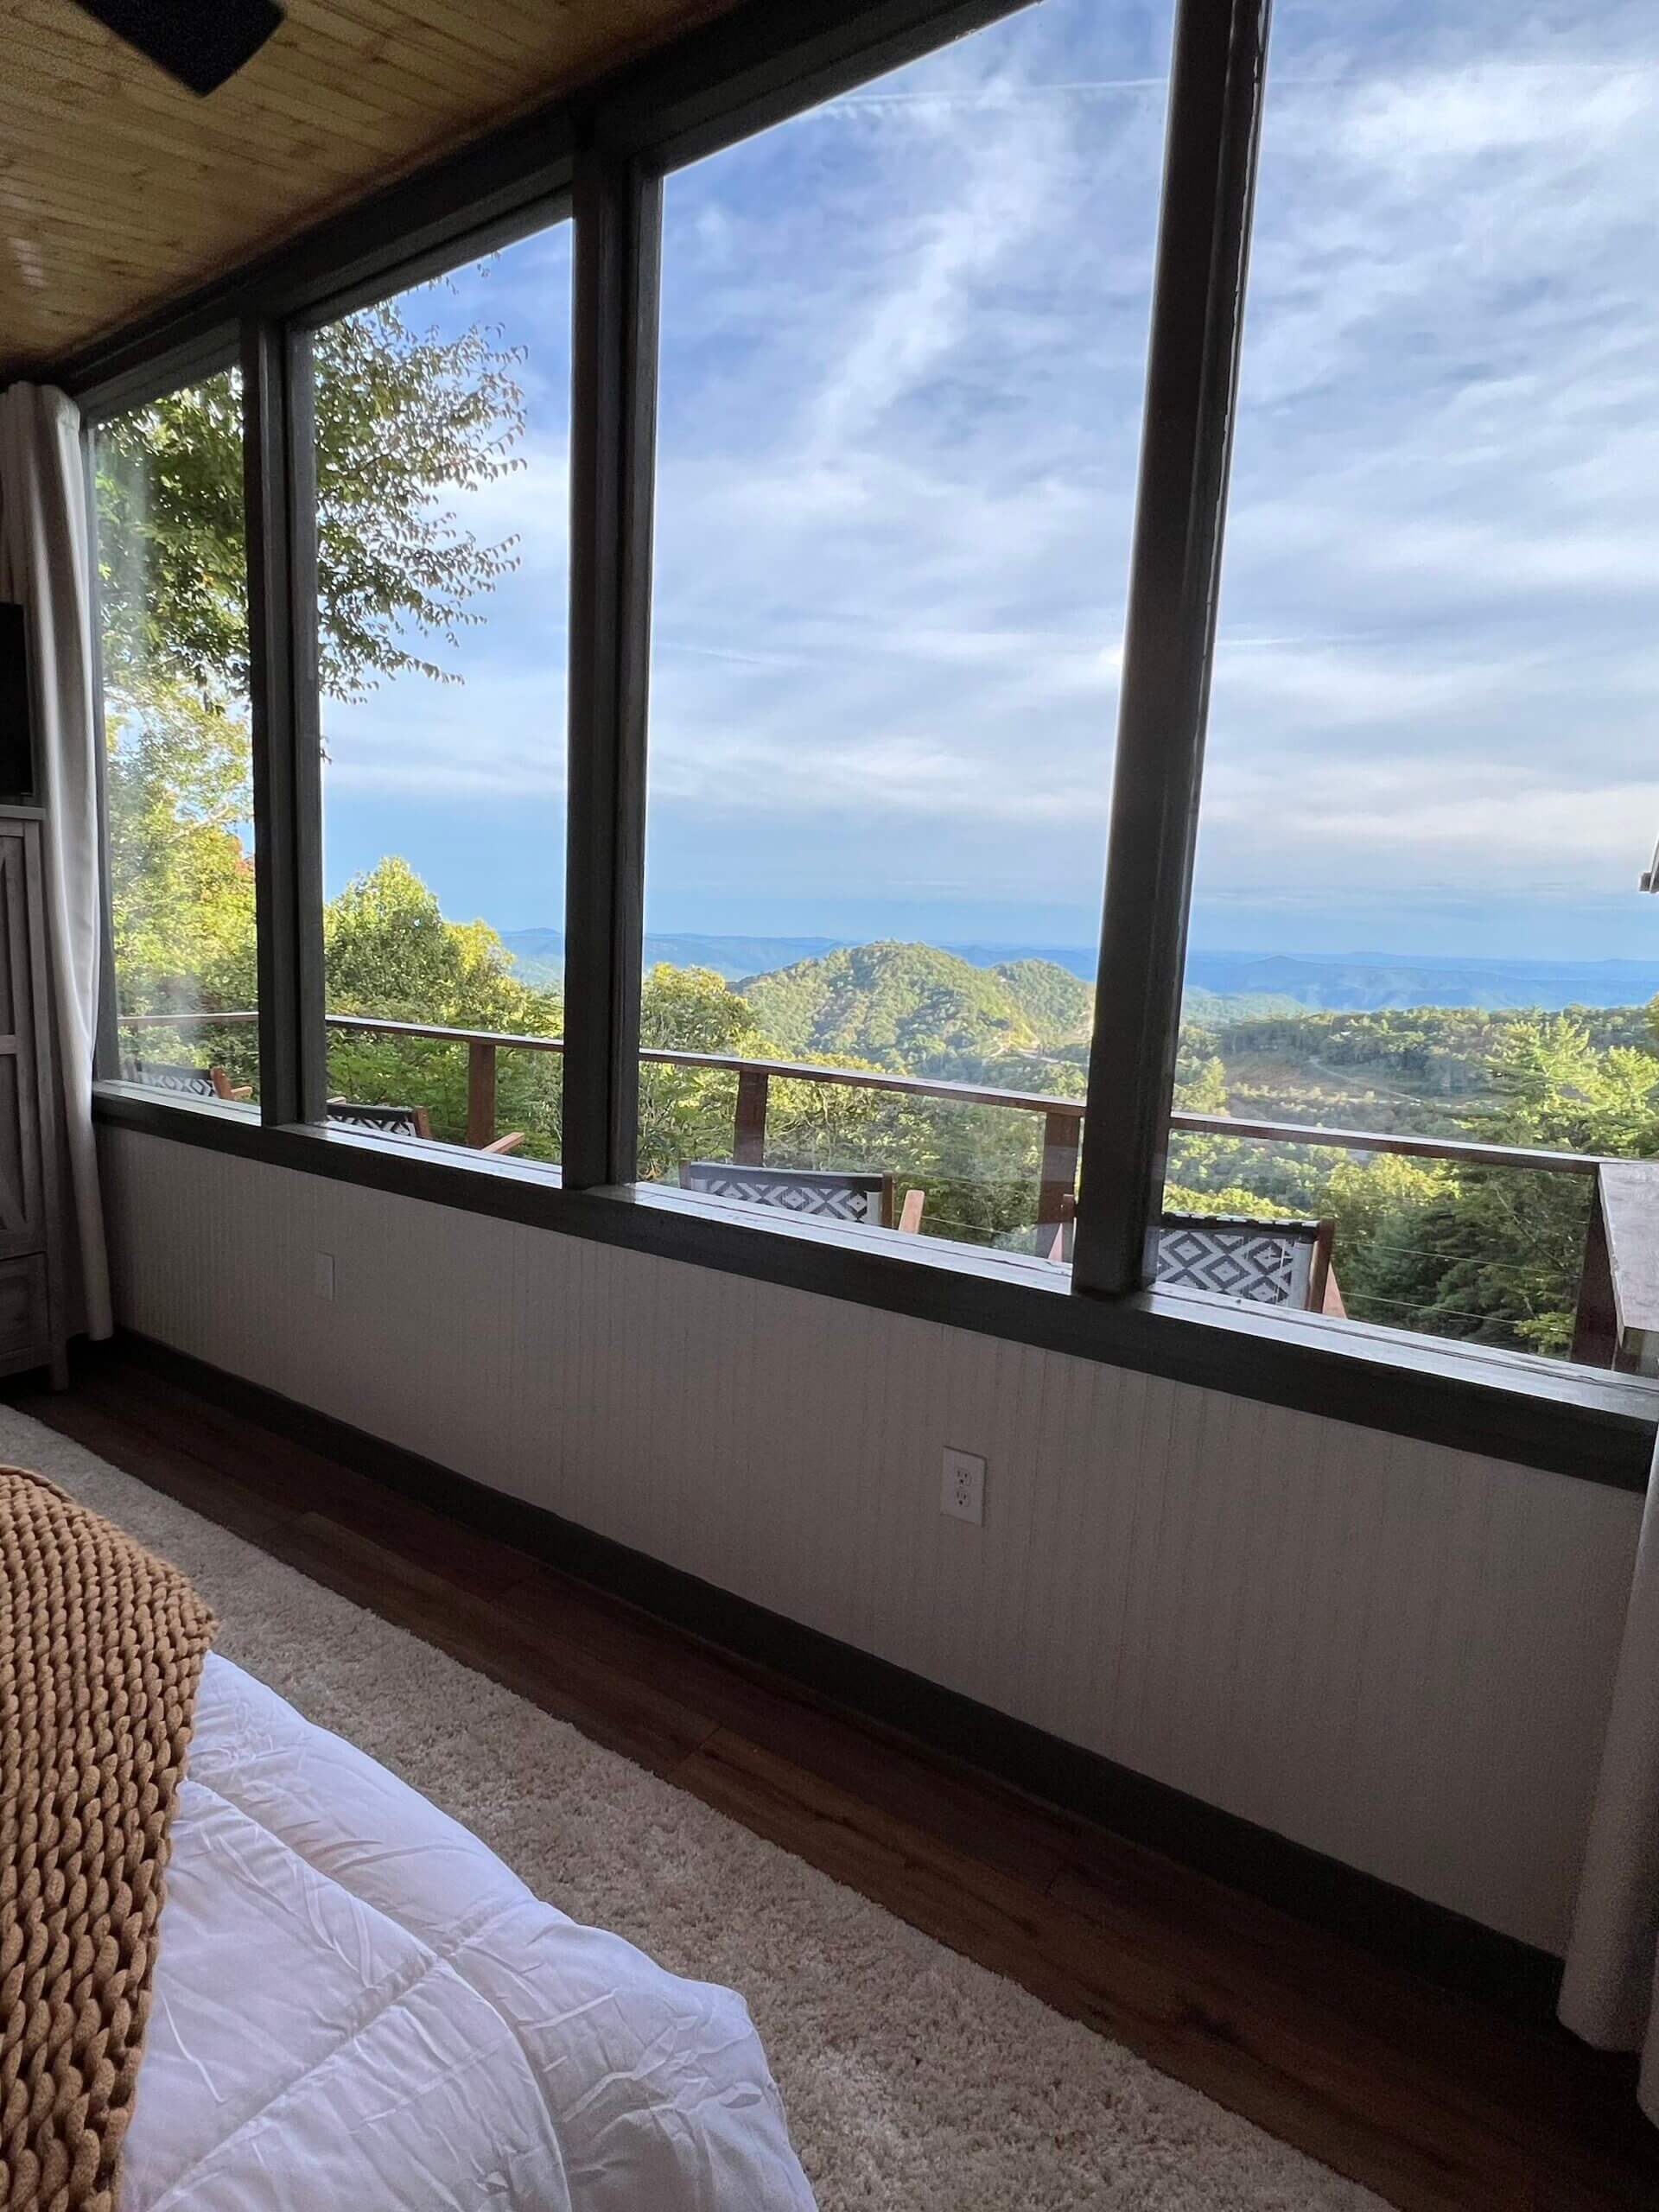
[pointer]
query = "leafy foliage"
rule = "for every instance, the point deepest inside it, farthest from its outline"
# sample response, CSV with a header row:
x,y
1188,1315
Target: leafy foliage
x,y
1489,1253
687,1113
1059,1006
388,952
404,420
913,1006
173,577
181,886
1494,1254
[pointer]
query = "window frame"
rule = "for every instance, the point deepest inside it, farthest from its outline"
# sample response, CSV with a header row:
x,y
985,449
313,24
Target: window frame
x,y
208,353
599,159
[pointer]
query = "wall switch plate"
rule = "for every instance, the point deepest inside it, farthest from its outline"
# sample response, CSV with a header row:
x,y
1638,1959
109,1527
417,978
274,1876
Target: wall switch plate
x,y
964,1494
325,1277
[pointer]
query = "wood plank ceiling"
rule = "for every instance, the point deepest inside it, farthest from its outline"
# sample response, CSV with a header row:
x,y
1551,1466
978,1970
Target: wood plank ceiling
x,y
119,190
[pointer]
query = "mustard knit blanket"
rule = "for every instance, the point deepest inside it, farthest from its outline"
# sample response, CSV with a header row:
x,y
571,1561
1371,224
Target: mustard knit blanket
x,y
101,1647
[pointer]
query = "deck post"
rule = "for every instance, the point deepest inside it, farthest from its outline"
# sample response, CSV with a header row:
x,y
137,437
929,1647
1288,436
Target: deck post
x,y
749,1123
1061,1134
481,1094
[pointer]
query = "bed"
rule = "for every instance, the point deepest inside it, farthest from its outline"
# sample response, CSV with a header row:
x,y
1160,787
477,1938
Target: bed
x,y
358,2008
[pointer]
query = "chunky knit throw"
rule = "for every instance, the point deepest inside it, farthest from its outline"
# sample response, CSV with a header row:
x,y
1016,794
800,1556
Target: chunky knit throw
x,y
101,1648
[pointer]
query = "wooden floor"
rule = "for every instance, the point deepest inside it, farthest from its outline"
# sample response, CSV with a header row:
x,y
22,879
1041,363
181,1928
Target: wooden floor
x,y
1428,2098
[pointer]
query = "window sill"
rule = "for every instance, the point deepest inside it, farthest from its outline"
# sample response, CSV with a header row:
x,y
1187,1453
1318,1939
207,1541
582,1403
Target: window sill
x,y
1583,1422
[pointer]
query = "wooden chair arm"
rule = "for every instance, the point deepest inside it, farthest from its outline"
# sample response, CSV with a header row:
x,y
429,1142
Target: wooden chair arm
x,y
509,1143
242,1090
909,1214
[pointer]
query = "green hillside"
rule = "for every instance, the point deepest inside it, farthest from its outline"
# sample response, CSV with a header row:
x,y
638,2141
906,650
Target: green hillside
x,y
1059,1006
1425,1070
1214,1008
912,1007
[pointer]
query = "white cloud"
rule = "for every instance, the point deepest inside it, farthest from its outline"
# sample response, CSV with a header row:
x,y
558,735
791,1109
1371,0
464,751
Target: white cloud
x,y
498,736
904,347
1428,120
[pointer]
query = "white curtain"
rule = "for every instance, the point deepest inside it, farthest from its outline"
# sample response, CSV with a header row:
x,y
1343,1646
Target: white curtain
x,y
43,565
1609,1995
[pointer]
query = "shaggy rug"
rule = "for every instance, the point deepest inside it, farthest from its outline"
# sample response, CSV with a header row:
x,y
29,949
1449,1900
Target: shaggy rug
x,y
915,2080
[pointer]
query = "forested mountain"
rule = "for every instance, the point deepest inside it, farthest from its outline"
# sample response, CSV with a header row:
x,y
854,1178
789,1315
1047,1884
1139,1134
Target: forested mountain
x,y
1059,1006
1216,1006
540,953
1420,1068
1242,983
915,1008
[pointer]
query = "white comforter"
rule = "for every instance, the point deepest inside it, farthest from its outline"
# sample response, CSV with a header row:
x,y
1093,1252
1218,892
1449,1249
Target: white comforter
x,y
358,2008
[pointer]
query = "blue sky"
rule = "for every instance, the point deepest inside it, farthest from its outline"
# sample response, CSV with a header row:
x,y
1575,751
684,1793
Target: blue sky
x,y
903,348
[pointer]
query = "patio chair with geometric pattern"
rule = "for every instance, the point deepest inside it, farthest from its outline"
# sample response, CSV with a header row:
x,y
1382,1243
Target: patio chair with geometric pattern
x,y
1234,1256
401,1121
1240,1255
185,1082
809,1193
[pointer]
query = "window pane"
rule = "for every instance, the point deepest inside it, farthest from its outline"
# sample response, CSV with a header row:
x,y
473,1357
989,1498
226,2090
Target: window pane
x,y
174,606
443,438
903,348
1431,782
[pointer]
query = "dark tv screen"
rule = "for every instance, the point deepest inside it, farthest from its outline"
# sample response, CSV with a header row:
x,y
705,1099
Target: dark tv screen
x,y
17,779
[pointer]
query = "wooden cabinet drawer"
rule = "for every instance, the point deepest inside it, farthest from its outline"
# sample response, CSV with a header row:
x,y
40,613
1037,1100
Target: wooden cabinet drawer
x,y
22,1311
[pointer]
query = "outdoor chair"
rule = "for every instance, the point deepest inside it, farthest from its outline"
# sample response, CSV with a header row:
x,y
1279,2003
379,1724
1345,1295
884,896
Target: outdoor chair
x,y
1237,1256
187,1082
1234,1256
809,1193
403,1122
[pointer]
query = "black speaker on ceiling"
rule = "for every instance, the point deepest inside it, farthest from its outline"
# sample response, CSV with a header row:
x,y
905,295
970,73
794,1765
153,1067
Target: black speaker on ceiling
x,y
19,781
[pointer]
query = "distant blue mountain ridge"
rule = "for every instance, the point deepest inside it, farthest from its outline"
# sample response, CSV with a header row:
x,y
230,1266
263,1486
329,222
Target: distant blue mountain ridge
x,y
1358,982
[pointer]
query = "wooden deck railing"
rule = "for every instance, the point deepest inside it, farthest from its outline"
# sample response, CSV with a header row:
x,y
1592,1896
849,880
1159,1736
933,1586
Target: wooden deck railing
x,y
1062,1117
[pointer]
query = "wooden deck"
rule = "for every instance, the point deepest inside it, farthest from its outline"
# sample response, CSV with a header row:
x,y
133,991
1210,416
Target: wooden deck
x,y
1430,2100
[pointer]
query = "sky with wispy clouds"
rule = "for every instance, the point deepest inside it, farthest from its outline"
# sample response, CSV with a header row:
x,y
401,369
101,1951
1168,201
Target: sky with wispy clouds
x,y
903,351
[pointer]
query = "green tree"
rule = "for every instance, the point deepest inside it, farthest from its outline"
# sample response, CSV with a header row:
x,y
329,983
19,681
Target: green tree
x,y
689,1113
1229,1198
181,883
1495,1256
1381,1207
405,420
387,951
1206,1168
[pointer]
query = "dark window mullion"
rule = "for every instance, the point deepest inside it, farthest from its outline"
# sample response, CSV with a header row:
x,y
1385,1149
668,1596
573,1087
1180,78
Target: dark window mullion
x,y
613,425
280,482
1191,382
304,615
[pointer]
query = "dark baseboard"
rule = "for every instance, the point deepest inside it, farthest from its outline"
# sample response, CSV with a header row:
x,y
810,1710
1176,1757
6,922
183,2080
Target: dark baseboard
x,y
1405,1930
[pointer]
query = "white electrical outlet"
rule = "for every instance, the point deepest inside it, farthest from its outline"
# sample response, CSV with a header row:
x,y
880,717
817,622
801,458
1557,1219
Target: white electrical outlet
x,y
964,1494
325,1281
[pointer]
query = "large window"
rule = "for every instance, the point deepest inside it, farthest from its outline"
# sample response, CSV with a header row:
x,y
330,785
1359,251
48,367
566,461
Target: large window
x,y
174,606
442,433
887,622
902,351
1431,781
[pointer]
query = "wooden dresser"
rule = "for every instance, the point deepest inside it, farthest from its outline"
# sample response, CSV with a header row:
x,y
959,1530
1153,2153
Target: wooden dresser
x,y
32,1329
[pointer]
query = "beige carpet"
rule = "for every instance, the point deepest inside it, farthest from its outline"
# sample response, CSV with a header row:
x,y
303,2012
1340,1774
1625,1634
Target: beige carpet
x,y
915,2080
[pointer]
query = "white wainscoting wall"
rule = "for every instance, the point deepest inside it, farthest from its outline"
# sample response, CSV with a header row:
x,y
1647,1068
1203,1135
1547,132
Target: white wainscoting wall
x,y
1397,1654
